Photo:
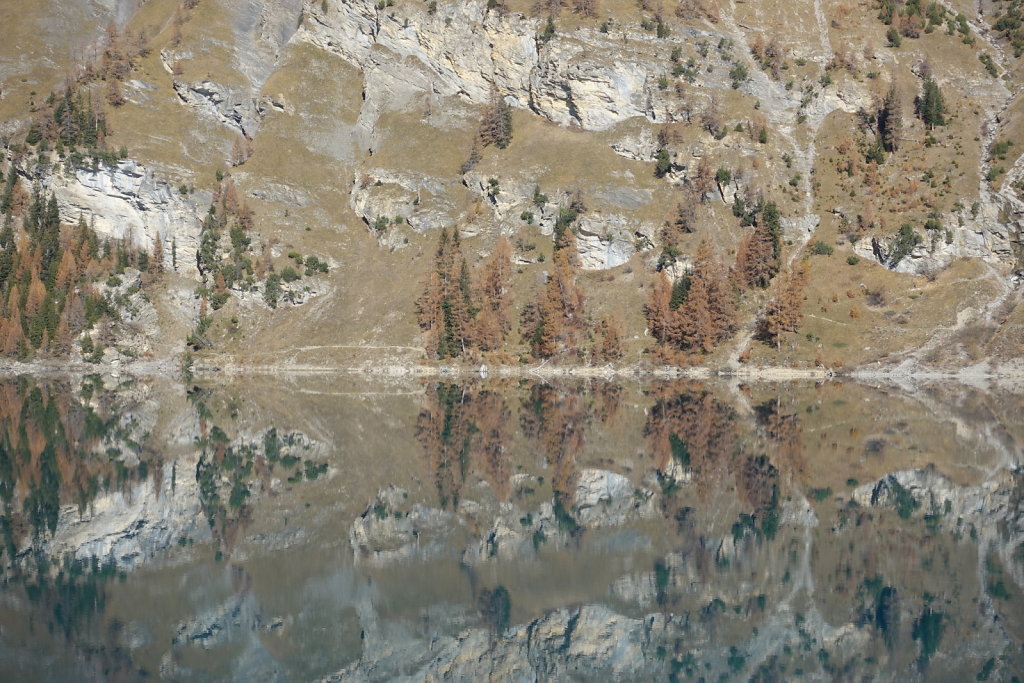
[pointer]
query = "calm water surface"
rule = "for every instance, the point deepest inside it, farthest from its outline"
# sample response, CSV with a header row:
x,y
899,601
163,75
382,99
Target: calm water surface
x,y
311,528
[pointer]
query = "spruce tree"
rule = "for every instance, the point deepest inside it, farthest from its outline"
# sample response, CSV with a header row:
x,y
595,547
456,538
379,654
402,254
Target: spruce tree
x,y
890,119
930,105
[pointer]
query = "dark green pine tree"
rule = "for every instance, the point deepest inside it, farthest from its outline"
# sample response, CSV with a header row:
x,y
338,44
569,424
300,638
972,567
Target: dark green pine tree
x,y
930,106
771,219
890,119
49,242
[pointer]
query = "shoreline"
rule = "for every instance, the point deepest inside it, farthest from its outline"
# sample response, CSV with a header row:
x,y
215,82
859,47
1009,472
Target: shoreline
x,y
229,367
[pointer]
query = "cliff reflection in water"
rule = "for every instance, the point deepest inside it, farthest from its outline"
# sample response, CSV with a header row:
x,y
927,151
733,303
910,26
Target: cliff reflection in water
x,y
510,529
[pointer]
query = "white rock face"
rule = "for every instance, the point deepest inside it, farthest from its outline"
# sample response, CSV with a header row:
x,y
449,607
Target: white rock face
x,y
422,202
127,200
605,241
464,50
235,109
133,527
983,237
463,47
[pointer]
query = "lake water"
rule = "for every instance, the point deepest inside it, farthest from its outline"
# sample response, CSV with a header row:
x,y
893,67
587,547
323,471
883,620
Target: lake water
x,y
308,527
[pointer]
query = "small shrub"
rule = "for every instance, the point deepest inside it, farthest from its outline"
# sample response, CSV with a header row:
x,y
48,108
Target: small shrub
x,y
853,260
821,249
990,66
739,74
539,198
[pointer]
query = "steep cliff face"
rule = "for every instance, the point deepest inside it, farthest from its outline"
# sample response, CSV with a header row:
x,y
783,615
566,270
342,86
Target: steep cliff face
x,y
129,201
460,50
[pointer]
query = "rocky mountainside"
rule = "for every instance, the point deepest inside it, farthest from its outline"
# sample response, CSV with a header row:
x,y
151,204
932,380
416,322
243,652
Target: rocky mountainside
x,y
355,131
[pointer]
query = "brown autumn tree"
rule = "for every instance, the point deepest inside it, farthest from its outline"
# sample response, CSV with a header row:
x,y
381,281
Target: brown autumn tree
x,y
156,263
241,150
586,8
712,119
693,325
657,310
703,180
783,313
757,259
492,295
67,271
443,311
683,220
609,347
15,334
496,123
555,321
487,334
708,315
115,95
36,294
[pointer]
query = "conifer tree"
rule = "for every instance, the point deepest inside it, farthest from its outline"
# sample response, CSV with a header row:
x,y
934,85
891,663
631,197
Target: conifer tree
x,y
156,264
703,180
693,324
496,124
555,320
709,313
15,334
890,119
492,321
783,313
657,310
115,95
930,105
444,308
757,260
610,346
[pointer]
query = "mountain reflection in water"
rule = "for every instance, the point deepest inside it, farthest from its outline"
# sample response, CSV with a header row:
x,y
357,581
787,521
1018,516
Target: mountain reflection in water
x,y
306,528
